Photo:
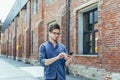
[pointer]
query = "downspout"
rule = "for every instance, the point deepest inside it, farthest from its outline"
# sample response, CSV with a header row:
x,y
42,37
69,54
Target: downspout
x,y
8,44
42,10
15,40
30,30
68,24
68,28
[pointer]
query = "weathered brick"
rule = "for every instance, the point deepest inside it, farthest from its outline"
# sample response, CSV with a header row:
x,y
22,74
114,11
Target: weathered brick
x,y
108,43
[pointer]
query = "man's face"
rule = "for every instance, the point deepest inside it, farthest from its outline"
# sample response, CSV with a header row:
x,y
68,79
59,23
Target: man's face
x,y
54,34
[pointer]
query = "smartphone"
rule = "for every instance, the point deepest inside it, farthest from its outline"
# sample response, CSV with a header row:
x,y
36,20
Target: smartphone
x,y
70,53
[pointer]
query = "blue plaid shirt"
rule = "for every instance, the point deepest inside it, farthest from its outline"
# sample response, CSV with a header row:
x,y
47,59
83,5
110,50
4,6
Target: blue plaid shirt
x,y
47,51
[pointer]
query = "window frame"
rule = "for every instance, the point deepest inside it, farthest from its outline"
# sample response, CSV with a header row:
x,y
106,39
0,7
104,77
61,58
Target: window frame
x,y
35,7
24,13
33,42
80,11
89,35
50,1
18,20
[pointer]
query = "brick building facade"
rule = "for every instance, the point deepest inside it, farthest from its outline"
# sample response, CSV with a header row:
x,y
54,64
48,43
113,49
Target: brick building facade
x,y
0,29
93,33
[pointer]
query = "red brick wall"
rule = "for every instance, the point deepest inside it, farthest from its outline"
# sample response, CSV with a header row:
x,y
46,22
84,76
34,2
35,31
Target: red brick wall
x,y
108,35
109,40
3,45
37,27
56,14
10,41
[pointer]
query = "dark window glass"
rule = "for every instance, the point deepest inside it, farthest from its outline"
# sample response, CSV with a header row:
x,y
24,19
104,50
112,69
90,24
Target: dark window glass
x,y
91,17
89,20
33,42
96,16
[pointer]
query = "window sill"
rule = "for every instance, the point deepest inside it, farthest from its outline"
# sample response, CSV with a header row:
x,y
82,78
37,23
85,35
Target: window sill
x,y
87,55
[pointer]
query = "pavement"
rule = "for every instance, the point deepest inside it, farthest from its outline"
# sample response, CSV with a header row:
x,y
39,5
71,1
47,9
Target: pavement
x,y
17,70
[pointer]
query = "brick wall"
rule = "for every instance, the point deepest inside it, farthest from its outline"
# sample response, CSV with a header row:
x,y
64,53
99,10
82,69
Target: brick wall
x,y
109,22
108,43
109,40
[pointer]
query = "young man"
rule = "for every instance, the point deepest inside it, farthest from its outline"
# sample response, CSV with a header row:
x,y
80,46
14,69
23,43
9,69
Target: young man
x,y
53,56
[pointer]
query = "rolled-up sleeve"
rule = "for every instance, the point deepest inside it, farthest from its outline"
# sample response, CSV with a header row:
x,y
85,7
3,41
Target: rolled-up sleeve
x,y
42,56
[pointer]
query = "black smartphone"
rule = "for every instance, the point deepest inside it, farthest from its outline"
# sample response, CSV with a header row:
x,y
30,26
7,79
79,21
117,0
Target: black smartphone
x,y
70,53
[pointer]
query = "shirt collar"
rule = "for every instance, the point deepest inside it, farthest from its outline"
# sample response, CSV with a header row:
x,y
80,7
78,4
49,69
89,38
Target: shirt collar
x,y
57,43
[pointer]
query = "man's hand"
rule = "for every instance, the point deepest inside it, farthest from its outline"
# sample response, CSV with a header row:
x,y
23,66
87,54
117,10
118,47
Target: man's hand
x,y
67,57
68,60
61,55
64,55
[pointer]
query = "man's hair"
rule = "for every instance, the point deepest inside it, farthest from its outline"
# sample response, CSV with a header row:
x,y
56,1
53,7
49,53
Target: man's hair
x,y
54,26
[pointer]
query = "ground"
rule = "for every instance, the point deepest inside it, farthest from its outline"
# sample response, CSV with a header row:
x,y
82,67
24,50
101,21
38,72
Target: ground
x,y
17,70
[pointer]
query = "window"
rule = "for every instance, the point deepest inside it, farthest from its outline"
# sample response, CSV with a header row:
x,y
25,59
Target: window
x,y
90,18
33,42
13,25
35,6
24,13
18,20
49,1
23,43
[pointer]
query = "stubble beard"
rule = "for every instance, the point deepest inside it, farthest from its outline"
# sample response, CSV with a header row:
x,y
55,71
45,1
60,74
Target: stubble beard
x,y
54,40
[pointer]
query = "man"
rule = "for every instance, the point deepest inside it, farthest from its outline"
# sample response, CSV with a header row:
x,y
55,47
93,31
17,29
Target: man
x,y
53,56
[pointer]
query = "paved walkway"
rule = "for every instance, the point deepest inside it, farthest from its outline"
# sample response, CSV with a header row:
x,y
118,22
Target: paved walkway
x,y
17,70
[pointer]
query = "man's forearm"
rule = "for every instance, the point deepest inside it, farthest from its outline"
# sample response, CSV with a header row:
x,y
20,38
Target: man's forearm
x,y
67,63
50,61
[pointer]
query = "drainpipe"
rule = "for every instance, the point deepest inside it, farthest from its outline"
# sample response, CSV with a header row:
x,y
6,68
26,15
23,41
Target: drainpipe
x,y
29,31
68,28
8,44
68,24
42,10
15,40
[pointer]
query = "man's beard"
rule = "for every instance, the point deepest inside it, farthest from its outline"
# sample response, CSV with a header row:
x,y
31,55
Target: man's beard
x,y
54,39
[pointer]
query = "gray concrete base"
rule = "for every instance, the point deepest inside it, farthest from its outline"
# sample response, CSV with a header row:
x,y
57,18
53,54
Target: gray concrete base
x,y
18,59
9,57
12,57
34,62
93,73
30,61
25,60
3,55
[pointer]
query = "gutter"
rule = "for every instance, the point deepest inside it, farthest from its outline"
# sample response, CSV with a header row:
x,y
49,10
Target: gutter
x,y
68,25
29,33
68,28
